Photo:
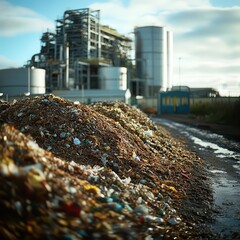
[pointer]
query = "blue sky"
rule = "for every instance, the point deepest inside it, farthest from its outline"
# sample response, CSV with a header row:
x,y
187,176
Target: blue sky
x,y
206,33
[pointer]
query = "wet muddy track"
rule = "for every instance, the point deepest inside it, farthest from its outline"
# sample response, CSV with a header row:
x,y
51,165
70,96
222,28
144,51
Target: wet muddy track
x,y
222,158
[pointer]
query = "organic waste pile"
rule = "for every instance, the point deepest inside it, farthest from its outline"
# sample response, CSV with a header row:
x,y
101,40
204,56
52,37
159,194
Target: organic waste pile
x,y
100,171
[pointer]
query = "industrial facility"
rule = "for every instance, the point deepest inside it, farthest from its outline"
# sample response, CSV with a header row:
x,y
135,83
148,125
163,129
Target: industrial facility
x,y
80,47
82,56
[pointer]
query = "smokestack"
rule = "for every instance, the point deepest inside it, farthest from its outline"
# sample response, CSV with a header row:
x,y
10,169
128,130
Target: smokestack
x,y
67,65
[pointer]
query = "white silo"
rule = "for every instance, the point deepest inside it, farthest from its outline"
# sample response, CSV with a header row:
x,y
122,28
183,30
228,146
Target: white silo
x,y
37,81
153,53
113,78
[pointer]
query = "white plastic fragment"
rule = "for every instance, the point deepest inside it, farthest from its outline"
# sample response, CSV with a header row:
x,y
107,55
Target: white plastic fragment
x,y
33,166
9,169
74,164
174,220
139,200
150,218
33,145
71,189
20,114
148,133
70,168
126,180
141,210
135,157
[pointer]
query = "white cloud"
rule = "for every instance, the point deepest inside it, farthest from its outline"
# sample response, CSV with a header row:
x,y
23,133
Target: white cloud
x,y
209,47
141,12
15,20
7,63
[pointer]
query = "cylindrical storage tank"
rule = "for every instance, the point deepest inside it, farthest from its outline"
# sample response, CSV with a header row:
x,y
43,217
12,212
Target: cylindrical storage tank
x,y
113,78
37,81
20,81
151,52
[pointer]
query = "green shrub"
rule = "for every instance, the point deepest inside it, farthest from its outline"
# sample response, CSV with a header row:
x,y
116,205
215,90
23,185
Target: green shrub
x,y
218,112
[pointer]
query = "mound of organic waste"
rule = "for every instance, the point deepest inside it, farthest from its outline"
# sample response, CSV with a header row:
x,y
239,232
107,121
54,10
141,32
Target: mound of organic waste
x,y
103,171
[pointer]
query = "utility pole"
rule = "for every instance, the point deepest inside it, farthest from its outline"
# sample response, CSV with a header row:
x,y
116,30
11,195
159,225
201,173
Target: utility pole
x,y
179,71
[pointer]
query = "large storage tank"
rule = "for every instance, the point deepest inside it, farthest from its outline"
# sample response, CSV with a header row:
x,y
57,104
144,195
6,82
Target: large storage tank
x,y
19,81
113,78
153,52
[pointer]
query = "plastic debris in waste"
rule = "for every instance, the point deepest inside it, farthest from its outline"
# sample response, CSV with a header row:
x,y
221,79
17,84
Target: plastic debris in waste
x,y
135,157
76,141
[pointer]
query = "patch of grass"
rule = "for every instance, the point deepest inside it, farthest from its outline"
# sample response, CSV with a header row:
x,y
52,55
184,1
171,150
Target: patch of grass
x,y
218,112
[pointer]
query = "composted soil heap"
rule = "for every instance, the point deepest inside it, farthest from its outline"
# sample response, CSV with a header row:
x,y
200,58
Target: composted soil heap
x,y
100,171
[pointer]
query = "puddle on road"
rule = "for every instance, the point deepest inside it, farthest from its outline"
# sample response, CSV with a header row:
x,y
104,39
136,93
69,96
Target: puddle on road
x,y
237,168
227,204
219,151
217,171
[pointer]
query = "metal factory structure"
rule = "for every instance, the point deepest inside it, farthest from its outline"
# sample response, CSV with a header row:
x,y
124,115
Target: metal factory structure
x,y
153,53
80,47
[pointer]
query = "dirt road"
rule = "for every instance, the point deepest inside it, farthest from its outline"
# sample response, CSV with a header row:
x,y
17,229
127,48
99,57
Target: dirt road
x,y
222,157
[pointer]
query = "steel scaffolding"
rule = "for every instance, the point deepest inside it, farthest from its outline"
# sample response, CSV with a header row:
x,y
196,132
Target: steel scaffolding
x,y
79,46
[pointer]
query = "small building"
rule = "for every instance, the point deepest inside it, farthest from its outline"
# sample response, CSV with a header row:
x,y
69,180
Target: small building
x,y
174,102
